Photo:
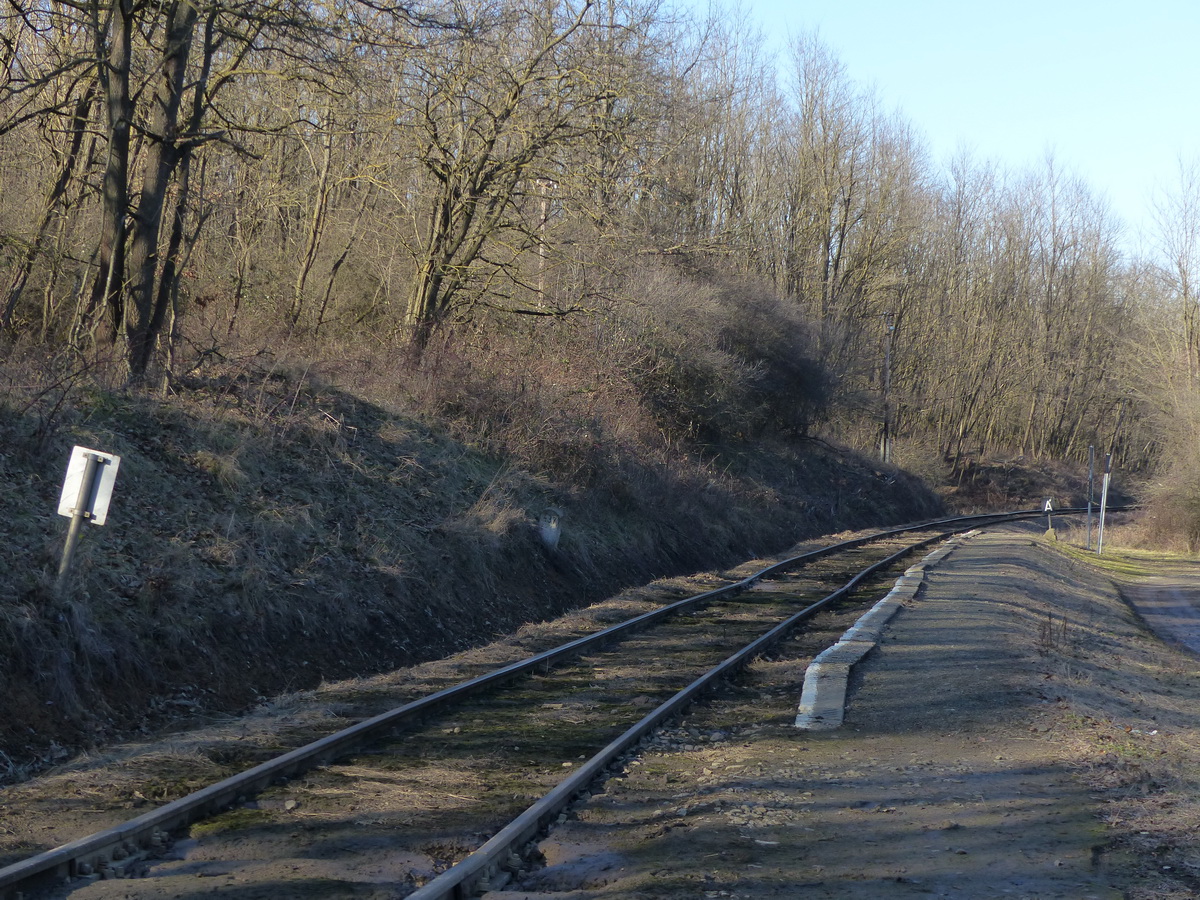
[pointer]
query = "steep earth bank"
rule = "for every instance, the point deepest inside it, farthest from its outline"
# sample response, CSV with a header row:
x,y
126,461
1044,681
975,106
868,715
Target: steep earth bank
x,y
269,535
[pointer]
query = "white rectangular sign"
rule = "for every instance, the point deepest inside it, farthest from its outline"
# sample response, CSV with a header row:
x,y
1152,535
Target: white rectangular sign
x,y
97,504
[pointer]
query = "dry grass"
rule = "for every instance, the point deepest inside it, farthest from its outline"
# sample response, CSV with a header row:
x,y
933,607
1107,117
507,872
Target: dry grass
x,y
1133,699
290,521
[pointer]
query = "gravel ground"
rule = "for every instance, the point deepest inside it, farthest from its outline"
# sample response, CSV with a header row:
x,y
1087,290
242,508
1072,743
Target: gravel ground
x,y
1018,733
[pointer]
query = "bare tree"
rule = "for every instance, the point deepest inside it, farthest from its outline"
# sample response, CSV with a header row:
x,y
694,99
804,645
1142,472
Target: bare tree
x,y
1177,218
495,104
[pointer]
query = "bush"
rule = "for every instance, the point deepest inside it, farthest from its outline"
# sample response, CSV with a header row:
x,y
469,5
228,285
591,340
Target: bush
x,y
1173,499
1174,504
720,362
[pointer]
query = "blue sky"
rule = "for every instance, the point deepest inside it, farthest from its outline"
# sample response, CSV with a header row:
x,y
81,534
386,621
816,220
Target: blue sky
x,y
1110,88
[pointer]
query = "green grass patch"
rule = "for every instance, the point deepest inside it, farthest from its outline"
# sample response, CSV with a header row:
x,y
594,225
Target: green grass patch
x,y
238,819
1127,563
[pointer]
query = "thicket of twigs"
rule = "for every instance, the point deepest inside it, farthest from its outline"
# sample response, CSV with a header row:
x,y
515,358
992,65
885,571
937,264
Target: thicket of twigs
x,y
360,292
280,519
181,179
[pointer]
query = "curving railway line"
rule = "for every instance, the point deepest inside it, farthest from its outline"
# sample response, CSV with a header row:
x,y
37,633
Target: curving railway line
x,y
445,796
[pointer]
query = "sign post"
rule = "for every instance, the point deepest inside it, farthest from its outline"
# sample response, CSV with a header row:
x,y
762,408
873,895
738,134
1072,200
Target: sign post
x,y
86,492
1103,504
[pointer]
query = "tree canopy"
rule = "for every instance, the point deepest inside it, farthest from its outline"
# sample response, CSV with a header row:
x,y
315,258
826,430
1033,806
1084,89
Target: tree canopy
x,y
182,173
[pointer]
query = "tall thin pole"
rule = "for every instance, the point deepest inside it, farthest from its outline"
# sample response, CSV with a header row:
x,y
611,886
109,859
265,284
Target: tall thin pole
x,y
1103,504
1091,491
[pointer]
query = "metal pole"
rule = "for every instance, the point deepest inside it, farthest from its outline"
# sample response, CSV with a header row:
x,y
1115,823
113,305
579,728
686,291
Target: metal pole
x,y
82,510
1091,491
1103,504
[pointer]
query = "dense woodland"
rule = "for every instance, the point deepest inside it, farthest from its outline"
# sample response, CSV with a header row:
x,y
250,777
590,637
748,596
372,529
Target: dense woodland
x,y
609,219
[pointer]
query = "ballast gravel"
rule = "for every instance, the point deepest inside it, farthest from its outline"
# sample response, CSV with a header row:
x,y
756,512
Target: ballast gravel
x,y
964,768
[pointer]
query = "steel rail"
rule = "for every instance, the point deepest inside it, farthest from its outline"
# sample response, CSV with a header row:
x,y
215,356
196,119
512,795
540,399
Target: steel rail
x,y
483,869
142,832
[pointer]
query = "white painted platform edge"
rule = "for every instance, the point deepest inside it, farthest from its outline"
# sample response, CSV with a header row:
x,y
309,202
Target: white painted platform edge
x,y
823,697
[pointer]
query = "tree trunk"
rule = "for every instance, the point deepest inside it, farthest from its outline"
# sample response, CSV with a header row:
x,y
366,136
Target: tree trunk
x,y
143,319
17,283
114,77
316,225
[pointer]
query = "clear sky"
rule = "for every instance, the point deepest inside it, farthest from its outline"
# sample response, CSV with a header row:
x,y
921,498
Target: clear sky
x,y
1110,87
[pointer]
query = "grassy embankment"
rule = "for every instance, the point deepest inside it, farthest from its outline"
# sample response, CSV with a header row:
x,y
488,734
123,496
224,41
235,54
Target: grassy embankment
x,y
269,531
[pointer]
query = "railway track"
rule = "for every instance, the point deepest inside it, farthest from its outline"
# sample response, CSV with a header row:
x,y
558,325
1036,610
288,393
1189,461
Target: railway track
x,y
444,795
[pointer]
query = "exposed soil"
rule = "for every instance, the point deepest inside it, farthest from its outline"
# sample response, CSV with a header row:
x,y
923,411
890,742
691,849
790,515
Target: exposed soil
x,y
1018,733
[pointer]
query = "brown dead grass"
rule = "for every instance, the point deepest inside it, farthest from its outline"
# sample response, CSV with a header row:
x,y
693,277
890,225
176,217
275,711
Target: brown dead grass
x,y
272,529
1133,699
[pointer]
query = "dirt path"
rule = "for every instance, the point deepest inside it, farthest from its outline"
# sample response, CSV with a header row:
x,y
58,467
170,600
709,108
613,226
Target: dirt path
x,y
980,759
1171,607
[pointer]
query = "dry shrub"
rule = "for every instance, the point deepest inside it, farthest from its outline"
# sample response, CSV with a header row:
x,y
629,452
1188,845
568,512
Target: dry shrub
x,y
596,400
1173,506
1173,497
284,530
223,467
791,390
718,362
